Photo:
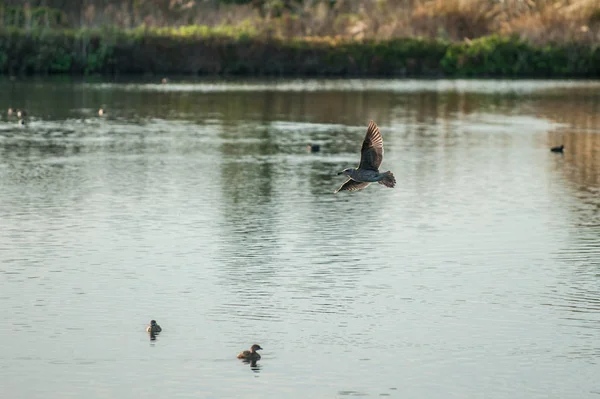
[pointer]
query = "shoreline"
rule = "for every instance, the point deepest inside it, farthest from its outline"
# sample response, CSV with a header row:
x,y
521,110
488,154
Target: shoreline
x,y
204,52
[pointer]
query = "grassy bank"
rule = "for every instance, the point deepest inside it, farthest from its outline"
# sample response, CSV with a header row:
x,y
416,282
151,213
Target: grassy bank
x,y
203,50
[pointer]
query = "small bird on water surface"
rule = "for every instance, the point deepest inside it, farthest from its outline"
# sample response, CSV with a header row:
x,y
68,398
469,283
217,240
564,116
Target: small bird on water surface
x,y
371,155
251,354
153,328
313,147
560,148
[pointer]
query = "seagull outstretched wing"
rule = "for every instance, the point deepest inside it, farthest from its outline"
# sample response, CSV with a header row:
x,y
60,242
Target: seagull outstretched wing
x,y
371,153
352,185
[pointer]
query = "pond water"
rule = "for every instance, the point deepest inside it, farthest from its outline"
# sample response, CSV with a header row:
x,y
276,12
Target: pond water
x,y
196,203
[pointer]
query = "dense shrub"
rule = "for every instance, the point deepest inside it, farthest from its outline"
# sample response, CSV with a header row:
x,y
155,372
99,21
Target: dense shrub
x,y
203,50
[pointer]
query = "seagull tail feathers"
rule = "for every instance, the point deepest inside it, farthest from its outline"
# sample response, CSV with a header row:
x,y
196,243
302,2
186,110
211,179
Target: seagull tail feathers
x,y
388,179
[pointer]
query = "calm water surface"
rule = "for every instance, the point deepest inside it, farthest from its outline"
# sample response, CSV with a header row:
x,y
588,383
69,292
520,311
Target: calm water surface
x,y
197,204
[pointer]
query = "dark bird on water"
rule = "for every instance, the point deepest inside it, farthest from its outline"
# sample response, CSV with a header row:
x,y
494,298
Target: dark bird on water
x,y
313,147
371,155
153,327
252,354
560,148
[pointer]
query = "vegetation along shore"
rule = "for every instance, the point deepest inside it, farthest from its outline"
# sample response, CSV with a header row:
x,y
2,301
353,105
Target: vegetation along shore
x,y
510,38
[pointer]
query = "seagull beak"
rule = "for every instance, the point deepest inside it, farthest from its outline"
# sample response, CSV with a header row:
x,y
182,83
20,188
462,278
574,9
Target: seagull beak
x,y
340,173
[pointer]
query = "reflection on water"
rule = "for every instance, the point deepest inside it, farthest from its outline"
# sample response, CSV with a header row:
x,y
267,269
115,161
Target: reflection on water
x,y
197,203
254,365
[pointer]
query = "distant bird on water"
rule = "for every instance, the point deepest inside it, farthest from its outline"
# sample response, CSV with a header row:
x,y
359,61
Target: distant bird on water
x,y
252,354
20,113
153,328
371,155
101,112
560,148
313,147
164,80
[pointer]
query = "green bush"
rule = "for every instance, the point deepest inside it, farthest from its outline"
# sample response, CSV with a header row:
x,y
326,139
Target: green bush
x,y
513,57
224,50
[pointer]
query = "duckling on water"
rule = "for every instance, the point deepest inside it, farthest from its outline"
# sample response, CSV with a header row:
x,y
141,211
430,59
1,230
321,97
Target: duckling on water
x,y
251,354
153,328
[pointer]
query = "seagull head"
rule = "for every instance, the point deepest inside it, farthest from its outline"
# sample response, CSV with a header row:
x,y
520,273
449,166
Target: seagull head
x,y
347,172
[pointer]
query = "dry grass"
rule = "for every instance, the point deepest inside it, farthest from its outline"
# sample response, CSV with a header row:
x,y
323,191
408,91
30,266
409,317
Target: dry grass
x,y
557,21
455,20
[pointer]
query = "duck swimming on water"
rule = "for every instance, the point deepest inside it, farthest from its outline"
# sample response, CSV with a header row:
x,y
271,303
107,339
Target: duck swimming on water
x,y
313,147
153,328
251,354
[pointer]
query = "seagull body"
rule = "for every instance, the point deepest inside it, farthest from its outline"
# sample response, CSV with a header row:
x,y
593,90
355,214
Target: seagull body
x,y
371,155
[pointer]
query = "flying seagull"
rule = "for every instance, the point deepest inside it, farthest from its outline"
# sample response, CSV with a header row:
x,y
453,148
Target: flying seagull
x,y
371,155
